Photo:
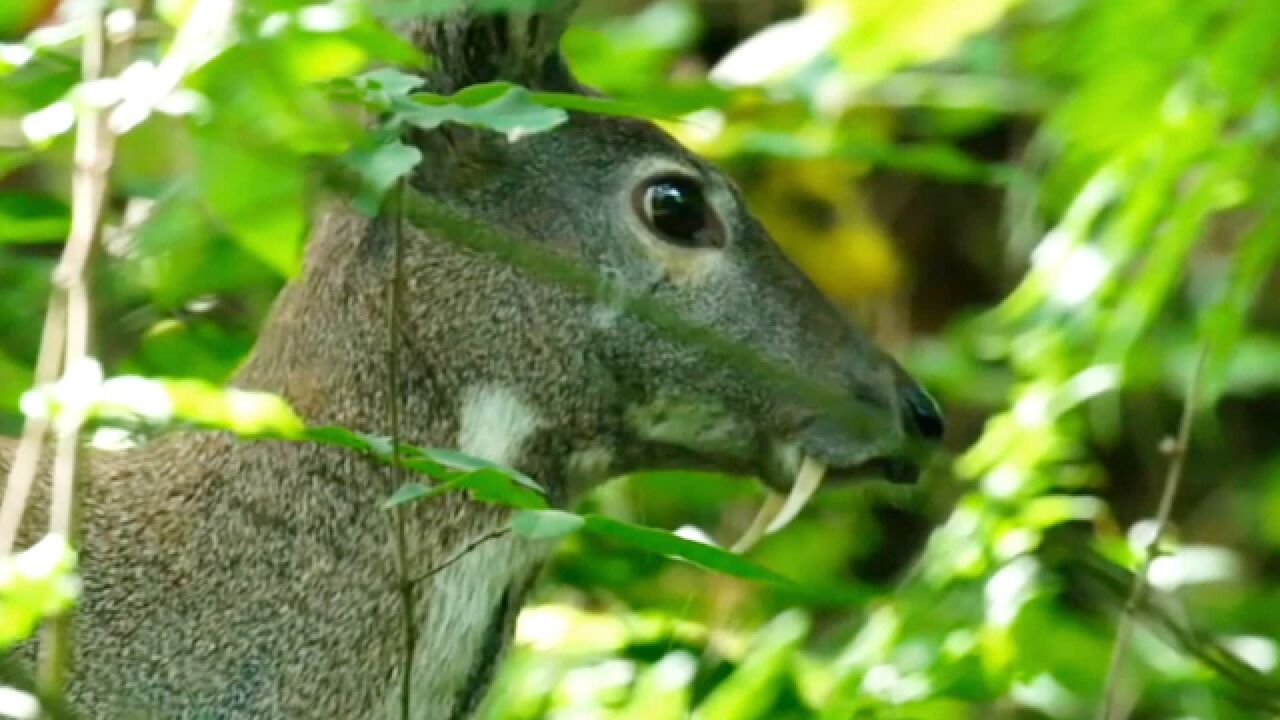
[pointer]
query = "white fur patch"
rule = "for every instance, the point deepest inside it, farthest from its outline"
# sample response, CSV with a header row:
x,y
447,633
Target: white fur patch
x,y
591,464
495,424
685,266
604,316
453,634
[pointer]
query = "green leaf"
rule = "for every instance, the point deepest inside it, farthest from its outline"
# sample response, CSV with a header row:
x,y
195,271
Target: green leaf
x,y
260,199
545,524
380,163
342,437
635,52
248,414
383,85
36,584
13,158
752,687
461,461
885,35
44,79
672,545
408,493
130,398
603,105
502,107
492,485
15,379
485,481
31,218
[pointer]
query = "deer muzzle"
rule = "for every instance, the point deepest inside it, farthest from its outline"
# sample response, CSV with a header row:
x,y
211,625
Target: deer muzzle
x,y
821,458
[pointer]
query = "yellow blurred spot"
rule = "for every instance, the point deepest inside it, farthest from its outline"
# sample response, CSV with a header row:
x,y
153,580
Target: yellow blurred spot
x,y
817,216
564,628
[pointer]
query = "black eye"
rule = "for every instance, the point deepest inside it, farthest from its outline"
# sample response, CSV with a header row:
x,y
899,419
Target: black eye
x,y
674,207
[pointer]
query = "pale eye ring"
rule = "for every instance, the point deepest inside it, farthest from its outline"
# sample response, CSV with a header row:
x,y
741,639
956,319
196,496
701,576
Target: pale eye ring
x,y
675,209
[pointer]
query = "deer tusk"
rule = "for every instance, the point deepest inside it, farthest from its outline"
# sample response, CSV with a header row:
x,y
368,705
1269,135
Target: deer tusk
x,y
807,482
776,513
755,531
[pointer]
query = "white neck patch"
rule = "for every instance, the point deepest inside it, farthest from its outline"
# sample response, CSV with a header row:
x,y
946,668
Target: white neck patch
x,y
494,424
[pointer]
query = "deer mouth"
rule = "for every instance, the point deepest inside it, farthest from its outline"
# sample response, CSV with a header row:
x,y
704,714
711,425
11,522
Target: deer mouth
x,y
896,470
779,510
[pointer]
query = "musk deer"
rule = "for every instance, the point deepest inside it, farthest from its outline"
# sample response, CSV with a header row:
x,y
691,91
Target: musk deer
x,y
225,579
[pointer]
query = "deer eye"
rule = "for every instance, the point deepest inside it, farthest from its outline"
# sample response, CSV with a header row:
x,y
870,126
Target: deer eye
x,y
675,209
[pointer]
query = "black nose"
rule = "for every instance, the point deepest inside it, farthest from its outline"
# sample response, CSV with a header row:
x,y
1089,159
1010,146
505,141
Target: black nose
x,y
921,413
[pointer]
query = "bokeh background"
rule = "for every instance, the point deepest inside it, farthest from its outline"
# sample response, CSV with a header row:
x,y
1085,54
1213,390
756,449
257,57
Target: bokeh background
x,y
1046,208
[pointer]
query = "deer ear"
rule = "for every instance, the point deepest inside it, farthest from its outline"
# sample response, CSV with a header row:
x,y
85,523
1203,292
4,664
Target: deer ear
x,y
472,44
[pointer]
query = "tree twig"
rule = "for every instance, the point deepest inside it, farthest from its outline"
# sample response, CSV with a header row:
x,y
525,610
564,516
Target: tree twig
x,y
64,342
15,674
1177,453
93,153
462,552
26,460
406,585
1254,689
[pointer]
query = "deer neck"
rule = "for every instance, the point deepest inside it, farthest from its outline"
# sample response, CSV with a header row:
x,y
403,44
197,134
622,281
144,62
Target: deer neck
x,y
280,557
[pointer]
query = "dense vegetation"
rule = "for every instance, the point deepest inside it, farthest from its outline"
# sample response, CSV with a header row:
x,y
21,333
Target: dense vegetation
x,y
1062,216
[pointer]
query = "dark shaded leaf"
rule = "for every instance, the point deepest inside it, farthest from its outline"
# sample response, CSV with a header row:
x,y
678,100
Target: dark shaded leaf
x,y
461,461
31,218
672,545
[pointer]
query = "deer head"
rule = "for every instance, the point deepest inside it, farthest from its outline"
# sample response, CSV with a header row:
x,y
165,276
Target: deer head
x,y
577,387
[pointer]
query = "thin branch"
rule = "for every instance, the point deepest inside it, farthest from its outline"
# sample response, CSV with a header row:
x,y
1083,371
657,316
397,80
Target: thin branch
x,y
26,460
15,674
406,586
1177,453
463,552
1253,688
95,146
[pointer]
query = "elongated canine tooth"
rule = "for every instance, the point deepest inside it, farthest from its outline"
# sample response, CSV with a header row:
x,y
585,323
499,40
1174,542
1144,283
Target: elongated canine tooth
x,y
755,531
807,482
776,513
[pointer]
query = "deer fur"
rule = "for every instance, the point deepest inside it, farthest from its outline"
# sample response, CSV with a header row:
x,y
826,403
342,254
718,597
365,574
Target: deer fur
x,y
231,579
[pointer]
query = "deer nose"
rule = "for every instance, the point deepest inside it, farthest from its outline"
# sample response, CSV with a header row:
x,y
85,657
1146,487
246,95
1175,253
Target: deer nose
x,y
921,414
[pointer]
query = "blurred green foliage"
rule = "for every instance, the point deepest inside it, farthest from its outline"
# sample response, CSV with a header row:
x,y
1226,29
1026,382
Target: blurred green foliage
x,y
1046,207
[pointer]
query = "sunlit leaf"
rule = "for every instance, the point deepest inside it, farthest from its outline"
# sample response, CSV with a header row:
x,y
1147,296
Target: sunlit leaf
x,y
385,84
750,690
35,584
502,107
258,198
884,35
545,524
408,493
243,412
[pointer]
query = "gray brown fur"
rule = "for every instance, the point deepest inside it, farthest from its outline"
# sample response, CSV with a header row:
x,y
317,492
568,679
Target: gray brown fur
x,y
227,579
